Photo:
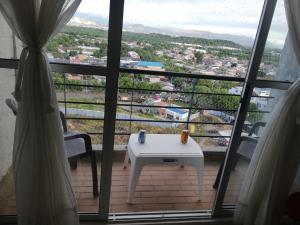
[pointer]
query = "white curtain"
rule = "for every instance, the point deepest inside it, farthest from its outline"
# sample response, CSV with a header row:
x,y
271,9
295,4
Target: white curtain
x,y
274,164
44,194
292,8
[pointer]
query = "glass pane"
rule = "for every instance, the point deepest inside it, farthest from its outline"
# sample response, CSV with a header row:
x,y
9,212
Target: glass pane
x,y
157,37
144,102
187,36
81,99
7,123
261,105
279,52
84,39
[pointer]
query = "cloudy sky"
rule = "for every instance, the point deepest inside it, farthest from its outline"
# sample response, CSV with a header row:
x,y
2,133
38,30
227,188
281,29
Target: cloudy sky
x,y
239,17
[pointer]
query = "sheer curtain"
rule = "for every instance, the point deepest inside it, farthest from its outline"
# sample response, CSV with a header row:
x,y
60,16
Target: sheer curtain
x,y
274,164
43,188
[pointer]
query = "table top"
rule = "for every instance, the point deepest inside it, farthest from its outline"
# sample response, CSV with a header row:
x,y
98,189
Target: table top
x,y
163,145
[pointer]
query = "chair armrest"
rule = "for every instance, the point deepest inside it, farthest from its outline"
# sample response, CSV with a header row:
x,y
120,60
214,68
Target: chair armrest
x,y
247,146
249,139
63,121
73,135
84,136
255,126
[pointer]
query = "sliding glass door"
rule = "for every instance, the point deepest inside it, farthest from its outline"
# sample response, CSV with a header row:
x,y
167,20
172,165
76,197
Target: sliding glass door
x,y
161,70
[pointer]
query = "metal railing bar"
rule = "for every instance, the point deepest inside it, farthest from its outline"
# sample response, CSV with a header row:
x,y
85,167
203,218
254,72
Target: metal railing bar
x,y
181,107
191,135
78,69
175,91
65,93
154,121
273,81
81,103
102,71
184,75
80,85
157,90
94,133
84,118
137,120
61,67
170,121
176,107
151,121
281,85
196,108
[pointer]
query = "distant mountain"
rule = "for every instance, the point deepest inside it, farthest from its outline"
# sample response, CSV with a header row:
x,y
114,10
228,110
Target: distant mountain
x,y
100,20
241,40
139,28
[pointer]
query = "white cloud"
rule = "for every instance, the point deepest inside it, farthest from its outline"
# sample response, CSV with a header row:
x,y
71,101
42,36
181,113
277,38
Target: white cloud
x,y
222,16
96,7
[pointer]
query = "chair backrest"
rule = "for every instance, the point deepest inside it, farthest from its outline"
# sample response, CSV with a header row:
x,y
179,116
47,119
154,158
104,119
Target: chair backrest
x,y
12,105
63,121
255,127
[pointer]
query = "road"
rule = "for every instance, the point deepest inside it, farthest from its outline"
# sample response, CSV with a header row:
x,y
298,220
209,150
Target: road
x,y
100,114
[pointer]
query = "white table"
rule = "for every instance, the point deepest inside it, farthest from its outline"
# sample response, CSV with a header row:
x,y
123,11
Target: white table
x,y
162,149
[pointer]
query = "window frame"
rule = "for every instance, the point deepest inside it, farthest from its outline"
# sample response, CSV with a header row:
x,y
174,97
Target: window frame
x,y
111,72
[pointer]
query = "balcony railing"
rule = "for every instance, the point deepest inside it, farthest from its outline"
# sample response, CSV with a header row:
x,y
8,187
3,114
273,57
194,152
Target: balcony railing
x,y
207,112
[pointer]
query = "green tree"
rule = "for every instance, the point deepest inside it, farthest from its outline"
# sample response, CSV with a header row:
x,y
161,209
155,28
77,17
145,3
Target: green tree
x,y
72,53
199,57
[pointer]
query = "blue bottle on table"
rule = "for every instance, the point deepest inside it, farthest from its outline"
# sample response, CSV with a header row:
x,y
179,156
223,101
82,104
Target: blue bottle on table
x,y
142,136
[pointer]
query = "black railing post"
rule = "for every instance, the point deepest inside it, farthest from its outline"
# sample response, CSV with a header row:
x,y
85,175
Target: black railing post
x,y
194,82
133,83
65,94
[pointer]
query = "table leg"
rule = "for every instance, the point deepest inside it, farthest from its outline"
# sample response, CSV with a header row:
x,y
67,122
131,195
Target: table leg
x,y
199,165
135,170
126,160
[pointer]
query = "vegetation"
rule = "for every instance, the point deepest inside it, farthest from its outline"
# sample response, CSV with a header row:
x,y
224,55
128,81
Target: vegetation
x,y
210,94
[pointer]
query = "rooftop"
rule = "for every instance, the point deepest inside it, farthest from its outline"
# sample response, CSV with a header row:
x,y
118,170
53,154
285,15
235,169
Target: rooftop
x,y
179,111
150,64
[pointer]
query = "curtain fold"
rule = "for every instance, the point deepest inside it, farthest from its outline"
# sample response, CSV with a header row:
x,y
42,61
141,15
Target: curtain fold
x,y
270,175
292,8
44,193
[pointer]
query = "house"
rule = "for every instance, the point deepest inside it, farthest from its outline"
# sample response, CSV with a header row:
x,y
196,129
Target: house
x,y
235,90
74,76
152,79
88,50
176,114
167,86
133,55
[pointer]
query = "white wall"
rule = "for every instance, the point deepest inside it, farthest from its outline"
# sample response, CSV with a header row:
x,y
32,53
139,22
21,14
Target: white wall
x,y
7,119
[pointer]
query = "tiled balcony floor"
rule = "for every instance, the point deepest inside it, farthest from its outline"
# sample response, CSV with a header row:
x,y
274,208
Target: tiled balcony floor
x,y
159,188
